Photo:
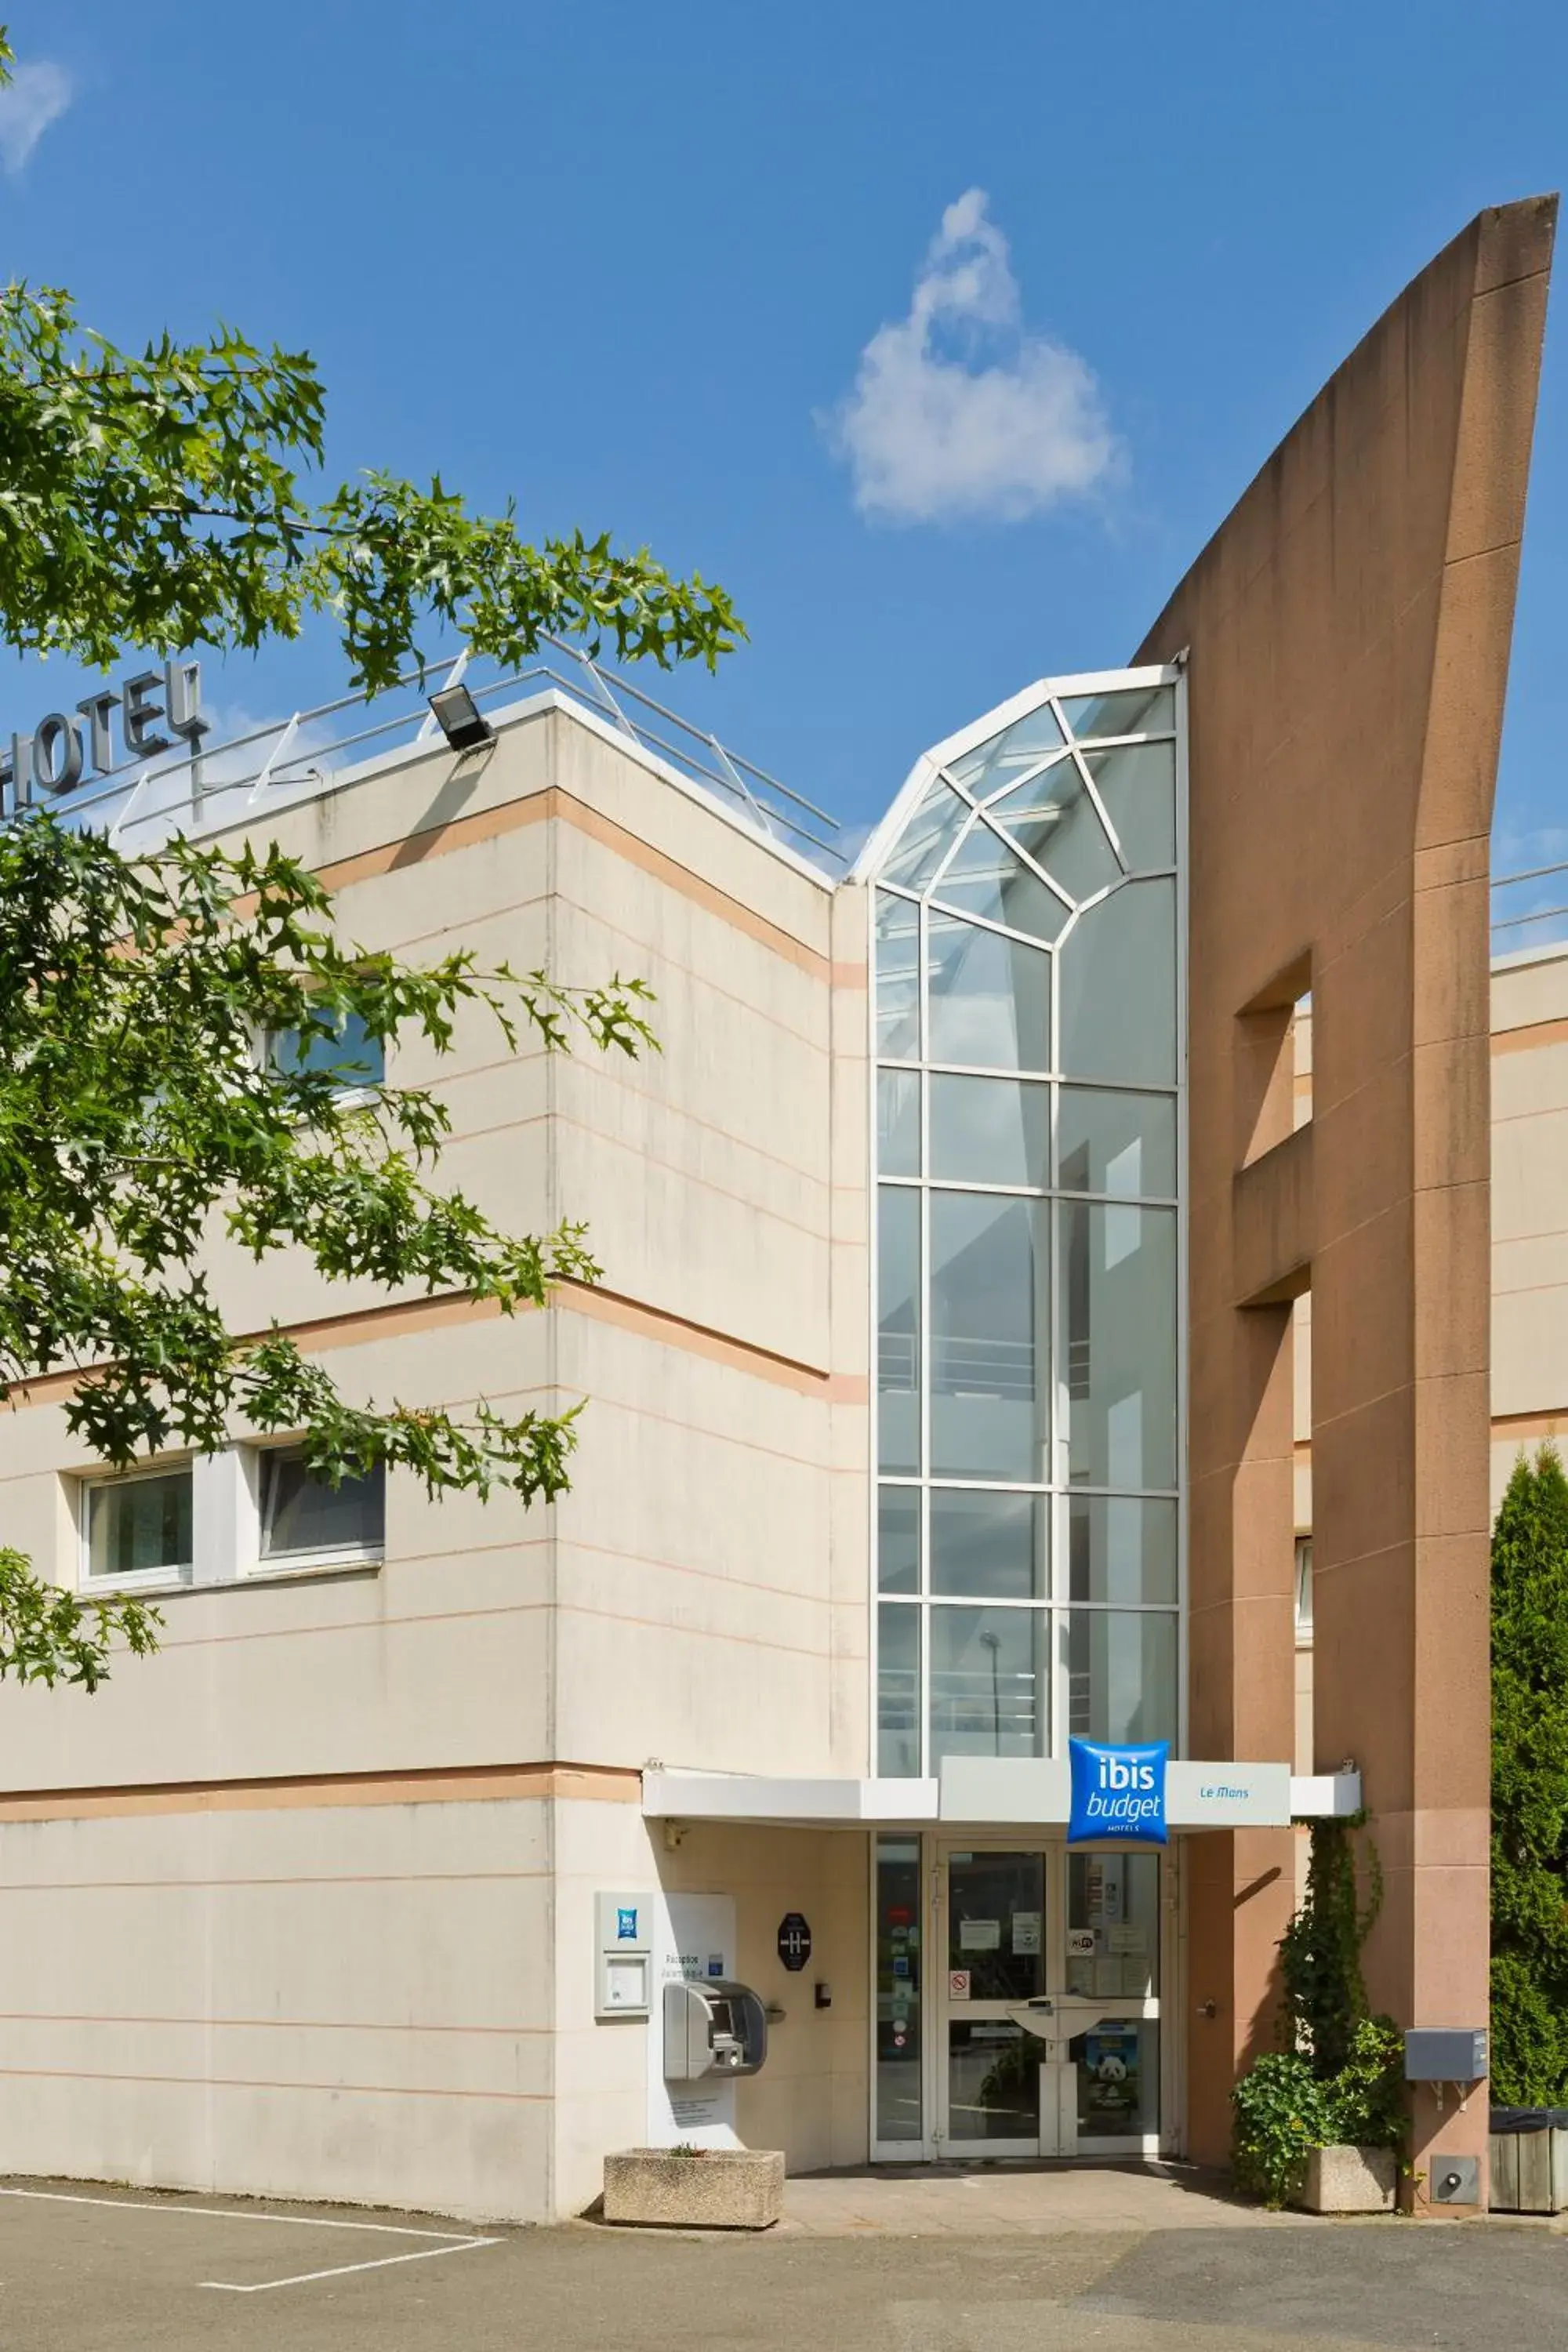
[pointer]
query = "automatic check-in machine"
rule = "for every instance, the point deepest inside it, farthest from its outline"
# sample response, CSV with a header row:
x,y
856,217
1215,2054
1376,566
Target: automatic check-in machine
x,y
712,2027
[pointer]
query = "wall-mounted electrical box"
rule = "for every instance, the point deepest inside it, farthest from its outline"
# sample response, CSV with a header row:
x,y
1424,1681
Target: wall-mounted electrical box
x,y
1456,2180
623,1972
712,2028
1443,2054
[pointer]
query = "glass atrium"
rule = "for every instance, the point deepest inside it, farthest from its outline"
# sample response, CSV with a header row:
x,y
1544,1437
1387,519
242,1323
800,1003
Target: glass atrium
x,y
1027,915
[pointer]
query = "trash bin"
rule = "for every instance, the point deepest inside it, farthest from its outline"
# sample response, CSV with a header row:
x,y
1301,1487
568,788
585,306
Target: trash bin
x,y
1529,2160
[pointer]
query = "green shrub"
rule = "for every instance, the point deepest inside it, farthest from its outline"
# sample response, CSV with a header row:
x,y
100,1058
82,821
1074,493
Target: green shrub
x,y
1530,1787
1281,2114
1320,1952
1368,2093
1341,2083
1284,2109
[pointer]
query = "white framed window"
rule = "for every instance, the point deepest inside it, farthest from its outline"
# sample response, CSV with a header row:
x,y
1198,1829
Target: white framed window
x,y
215,1518
139,1529
1027,961
304,1522
351,1055
1304,1588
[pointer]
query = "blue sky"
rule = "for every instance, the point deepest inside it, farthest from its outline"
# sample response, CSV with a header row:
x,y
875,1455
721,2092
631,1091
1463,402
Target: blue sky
x,y
657,269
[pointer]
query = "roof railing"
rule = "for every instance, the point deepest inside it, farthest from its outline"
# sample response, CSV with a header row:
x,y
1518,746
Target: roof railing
x,y
1530,929
290,759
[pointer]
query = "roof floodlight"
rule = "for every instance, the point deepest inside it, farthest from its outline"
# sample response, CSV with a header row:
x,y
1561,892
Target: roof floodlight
x,y
459,717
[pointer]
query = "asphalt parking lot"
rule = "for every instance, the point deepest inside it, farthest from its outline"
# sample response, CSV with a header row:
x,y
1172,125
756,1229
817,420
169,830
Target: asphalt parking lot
x,y
100,2271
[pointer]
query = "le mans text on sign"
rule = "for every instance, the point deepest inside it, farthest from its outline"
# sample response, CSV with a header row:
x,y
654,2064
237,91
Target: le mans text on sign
x,y
1118,1793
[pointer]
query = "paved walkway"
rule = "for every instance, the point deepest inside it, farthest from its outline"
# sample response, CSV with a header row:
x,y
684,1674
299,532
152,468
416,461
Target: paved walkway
x,y
105,2270
1021,2200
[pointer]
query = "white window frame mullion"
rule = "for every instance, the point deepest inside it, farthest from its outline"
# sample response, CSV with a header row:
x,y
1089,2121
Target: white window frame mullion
x,y
874,1388
226,1515
922,1445
1184,1209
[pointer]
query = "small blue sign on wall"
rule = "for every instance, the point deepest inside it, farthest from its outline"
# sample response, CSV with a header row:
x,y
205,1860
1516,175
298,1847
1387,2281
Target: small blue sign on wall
x,y
1118,1793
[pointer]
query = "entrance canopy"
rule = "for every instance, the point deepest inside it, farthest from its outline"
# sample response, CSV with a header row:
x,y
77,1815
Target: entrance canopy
x,y
1008,1791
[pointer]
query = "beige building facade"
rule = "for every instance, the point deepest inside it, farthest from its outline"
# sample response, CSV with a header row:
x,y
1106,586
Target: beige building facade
x,y
306,1906
939,1397
1529,1249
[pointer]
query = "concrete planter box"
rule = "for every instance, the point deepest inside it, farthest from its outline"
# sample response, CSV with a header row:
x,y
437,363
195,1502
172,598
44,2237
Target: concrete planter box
x,y
1349,2180
717,2188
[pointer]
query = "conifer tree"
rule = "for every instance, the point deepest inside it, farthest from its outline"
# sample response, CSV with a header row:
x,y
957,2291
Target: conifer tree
x,y
1529,1785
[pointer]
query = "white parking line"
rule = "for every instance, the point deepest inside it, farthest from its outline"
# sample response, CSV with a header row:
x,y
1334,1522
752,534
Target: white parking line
x,y
345,2269
450,2241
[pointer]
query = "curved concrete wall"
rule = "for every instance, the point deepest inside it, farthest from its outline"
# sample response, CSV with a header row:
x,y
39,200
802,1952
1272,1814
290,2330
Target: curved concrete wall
x,y
1348,633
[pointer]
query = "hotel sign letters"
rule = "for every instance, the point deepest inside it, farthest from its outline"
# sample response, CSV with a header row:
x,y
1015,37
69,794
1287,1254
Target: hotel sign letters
x,y
156,707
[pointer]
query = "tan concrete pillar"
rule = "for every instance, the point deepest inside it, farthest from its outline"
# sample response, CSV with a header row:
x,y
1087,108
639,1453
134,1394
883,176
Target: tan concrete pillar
x,y
1239,1887
1348,633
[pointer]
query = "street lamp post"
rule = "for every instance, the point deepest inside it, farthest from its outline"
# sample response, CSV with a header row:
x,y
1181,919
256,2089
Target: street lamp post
x,y
992,1641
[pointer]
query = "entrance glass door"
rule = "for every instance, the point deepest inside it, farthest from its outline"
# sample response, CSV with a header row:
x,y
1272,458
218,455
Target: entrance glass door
x,y
1109,2001
988,2065
1017,2001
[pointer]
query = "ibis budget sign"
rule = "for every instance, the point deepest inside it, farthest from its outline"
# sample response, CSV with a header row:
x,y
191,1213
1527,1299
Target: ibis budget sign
x,y
1118,1792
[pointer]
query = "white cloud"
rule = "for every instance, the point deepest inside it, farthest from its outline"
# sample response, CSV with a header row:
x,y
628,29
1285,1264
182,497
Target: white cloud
x,y
36,96
1514,848
958,412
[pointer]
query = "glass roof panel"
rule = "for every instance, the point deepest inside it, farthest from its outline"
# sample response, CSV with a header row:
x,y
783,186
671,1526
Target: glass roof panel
x,y
897,977
986,878
1138,787
1040,791
927,837
989,766
1057,824
1025,906
1118,988
1135,711
988,998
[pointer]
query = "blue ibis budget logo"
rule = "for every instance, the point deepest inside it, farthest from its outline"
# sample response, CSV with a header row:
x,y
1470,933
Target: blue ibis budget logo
x,y
626,1923
1117,1793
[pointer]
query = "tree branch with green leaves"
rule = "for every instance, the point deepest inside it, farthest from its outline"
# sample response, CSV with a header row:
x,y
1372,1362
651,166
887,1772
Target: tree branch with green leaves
x,y
142,1110
165,499
173,497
